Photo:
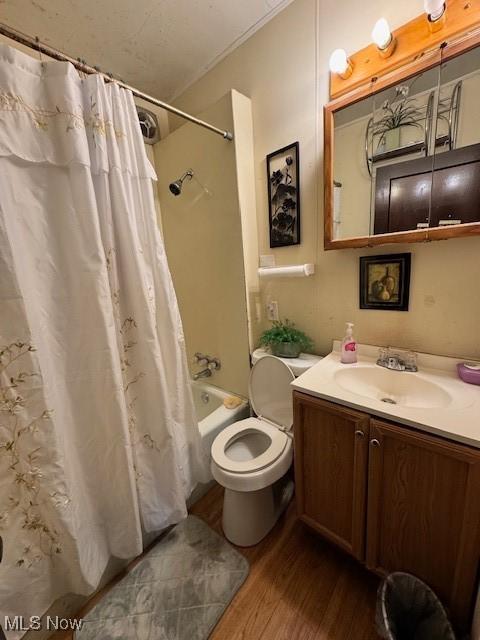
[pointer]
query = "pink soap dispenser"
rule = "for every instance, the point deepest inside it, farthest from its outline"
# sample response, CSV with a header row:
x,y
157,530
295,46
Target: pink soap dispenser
x,y
349,346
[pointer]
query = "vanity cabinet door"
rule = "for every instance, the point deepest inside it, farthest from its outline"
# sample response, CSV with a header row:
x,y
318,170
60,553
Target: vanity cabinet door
x,y
331,450
424,512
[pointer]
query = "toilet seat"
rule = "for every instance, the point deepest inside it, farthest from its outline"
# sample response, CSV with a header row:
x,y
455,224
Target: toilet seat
x,y
234,432
271,399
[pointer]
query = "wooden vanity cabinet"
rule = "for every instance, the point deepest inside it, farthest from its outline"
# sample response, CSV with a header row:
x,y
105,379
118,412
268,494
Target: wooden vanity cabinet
x,y
331,450
409,499
424,511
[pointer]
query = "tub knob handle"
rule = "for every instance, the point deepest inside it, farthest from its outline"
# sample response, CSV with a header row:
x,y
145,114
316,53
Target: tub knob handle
x,y
214,364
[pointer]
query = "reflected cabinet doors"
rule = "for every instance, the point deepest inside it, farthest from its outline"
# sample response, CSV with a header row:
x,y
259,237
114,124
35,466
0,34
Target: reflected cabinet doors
x,y
403,163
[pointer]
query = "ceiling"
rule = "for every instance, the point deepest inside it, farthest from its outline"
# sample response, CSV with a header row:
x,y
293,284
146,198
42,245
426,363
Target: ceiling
x,y
159,46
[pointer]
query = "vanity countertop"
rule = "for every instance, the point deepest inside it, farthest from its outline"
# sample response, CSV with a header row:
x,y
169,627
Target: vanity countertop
x,y
433,400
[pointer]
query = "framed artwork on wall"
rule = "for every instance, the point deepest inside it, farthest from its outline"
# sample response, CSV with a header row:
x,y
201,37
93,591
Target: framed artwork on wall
x,y
385,282
284,196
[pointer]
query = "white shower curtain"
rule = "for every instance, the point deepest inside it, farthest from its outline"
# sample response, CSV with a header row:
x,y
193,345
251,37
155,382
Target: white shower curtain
x,y
98,438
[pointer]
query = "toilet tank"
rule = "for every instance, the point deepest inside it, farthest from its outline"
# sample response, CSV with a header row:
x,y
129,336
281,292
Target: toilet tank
x,y
297,365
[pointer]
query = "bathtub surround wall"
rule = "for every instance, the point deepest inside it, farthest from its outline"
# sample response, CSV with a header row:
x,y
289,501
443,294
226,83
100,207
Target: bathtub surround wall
x,y
283,68
202,229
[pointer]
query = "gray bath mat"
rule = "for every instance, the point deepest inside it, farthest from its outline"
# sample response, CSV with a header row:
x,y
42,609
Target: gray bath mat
x,y
178,591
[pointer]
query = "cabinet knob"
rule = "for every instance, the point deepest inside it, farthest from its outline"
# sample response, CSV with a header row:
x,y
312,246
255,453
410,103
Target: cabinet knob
x,y
359,433
375,442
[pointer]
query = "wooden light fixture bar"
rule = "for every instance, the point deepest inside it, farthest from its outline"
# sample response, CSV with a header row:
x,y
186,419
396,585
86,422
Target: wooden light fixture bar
x,y
413,39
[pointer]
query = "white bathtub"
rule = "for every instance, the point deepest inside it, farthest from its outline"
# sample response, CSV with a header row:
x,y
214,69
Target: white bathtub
x,y
212,418
211,414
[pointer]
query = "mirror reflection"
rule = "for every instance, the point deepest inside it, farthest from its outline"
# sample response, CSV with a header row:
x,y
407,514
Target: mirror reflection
x,y
351,170
408,157
403,144
456,176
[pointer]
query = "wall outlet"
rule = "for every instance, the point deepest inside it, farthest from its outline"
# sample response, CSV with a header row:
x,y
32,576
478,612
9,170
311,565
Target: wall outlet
x,y
272,310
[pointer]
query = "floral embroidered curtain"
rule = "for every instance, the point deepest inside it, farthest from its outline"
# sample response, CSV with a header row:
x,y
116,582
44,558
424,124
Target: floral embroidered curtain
x,y
98,438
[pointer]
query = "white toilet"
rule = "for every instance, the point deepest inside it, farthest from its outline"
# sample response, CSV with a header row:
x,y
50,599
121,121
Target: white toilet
x,y
251,457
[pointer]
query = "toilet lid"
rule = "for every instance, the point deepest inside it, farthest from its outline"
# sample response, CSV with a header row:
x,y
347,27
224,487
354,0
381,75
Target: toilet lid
x,y
270,391
238,430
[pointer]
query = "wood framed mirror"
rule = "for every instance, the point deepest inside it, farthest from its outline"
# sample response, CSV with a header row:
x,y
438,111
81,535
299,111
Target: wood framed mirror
x,y
402,152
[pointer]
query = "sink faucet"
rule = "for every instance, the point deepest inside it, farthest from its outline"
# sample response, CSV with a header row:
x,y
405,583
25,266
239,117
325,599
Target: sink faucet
x,y
395,362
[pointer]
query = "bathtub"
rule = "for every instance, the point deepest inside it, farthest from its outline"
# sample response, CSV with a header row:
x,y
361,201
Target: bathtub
x,y
212,417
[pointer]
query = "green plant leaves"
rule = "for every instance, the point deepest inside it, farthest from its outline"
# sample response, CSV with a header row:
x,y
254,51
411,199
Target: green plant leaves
x,y
285,331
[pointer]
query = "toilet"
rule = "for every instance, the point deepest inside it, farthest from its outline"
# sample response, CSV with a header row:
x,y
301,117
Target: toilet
x,y
250,458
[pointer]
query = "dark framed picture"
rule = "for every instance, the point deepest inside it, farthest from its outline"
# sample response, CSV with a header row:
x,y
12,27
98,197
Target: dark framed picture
x,y
284,196
385,282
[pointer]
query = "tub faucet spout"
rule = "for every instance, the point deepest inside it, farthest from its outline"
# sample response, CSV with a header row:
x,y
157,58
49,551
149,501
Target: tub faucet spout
x,y
205,373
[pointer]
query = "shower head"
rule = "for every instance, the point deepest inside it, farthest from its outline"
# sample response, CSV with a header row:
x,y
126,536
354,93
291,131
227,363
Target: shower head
x,y
176,187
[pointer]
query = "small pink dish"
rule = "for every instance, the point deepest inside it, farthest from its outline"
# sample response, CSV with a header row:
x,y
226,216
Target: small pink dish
x,y
469,372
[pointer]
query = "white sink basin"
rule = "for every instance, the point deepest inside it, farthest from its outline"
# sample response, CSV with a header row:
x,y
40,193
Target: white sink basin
x,y
393,387
433,400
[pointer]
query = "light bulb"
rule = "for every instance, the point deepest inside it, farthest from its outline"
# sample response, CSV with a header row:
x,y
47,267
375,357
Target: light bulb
x,y
434,9
339,62
381,34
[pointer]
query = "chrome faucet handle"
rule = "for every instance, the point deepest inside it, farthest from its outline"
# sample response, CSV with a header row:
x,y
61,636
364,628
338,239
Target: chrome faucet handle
x,y
214,364
411,361
200,359
382,355
395,362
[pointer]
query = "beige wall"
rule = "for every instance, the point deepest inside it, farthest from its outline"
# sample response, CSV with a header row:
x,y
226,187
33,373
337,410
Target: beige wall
x,y
283,68
203,240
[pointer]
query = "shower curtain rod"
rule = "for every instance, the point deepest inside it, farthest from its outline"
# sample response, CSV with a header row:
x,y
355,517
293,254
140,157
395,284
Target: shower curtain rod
x,y
81,65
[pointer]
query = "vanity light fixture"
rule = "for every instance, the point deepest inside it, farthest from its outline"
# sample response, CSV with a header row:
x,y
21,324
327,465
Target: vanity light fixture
x,y
340,63
383,38
435,10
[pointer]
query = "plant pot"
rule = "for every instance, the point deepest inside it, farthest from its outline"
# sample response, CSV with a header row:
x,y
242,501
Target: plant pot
x,y
286,349
392,139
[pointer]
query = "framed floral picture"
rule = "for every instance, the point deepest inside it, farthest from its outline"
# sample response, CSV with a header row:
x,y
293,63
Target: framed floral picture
x,y
284,196
385,281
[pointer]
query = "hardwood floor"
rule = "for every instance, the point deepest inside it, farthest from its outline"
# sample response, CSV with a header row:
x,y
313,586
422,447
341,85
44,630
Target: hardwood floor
x,y
299,587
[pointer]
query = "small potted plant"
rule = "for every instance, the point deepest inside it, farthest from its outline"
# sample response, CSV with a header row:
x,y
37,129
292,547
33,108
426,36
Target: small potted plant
x,y
284,340
402,112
